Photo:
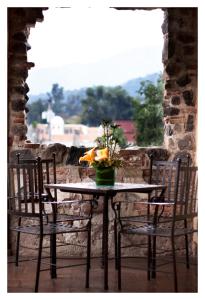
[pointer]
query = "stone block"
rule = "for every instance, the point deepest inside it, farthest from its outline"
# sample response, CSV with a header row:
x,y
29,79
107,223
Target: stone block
x,y
186,143
26,109
168,129
20,36
188,97
189,50
171,111
171,143
186,38
18,89
168,49
74,154
24,154
172,68
171,47
19,130
17,114
19,120
158,154
31,145
26,88
14,96
59,149
177,128
183,80
170,84
175,100
18,105
20,72
21,47
183,155
190,123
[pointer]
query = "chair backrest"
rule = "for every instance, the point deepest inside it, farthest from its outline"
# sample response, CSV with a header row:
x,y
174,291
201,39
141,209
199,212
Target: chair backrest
x,y
48,167
26,180
25,189
187,197
182,182
166,173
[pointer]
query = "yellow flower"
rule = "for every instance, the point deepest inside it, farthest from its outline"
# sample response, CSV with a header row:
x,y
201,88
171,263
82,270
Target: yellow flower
x,y
89,156
102,154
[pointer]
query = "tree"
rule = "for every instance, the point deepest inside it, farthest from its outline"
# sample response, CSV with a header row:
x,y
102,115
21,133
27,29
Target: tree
x,y
106,103
122,141
35,111
56,96
149,113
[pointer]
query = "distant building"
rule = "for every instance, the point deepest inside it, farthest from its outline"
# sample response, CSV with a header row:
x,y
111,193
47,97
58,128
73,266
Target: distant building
x,y
56,131
129,130
57,126
69,135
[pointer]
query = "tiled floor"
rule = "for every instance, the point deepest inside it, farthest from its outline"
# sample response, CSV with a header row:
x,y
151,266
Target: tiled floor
x,y
21,278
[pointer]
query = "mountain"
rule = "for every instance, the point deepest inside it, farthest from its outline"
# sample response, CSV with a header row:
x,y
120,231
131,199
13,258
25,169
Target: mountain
x,y
131,86
110,71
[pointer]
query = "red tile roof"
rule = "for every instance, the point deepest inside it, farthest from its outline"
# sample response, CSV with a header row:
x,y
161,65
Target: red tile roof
x,y
129,129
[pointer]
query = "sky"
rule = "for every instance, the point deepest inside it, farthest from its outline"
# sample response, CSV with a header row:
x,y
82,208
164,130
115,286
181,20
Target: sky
x,y
79,47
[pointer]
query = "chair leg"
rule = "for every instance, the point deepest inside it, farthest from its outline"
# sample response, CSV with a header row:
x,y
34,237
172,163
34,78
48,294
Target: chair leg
x,y
88,258
187,251
154,257
174,266
38,263
102,260
119,261
149,256
186,245
53,272
18,243
115,239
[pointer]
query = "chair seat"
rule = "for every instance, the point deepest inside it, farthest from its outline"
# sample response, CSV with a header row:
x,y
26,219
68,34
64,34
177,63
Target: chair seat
x,y
151,231
139,218
49,229
149,220
65,217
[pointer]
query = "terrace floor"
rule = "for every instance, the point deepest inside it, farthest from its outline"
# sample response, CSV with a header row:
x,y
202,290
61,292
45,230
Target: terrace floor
x,y
71,280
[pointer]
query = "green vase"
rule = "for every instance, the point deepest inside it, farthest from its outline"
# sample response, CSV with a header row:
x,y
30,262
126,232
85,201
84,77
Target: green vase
x,y
105,176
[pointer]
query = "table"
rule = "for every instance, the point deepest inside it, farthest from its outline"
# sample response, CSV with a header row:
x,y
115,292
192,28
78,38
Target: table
x,y
107,193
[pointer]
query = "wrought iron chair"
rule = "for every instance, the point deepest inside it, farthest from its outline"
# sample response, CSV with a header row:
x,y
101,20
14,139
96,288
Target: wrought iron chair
x,y
167,216
27,201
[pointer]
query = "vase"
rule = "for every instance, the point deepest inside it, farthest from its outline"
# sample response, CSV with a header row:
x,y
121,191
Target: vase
x,y
105,176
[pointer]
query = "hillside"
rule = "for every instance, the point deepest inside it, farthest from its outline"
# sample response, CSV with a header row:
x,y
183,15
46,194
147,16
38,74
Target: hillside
x,y
131,86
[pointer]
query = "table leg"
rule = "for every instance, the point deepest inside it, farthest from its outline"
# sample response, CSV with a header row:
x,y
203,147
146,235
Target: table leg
x,y
53,246
105,240
53,256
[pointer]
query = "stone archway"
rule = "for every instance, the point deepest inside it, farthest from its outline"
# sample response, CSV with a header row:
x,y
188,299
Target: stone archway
x,y
180,74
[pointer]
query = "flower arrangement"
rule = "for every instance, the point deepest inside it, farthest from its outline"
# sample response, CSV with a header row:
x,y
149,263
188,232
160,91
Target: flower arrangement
x,y
106,153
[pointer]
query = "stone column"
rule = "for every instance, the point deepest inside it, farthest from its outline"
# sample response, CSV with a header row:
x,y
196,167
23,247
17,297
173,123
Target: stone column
x,y
20,20
180,75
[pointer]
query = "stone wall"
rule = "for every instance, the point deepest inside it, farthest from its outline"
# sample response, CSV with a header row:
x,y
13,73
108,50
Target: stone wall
x,y
135,170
